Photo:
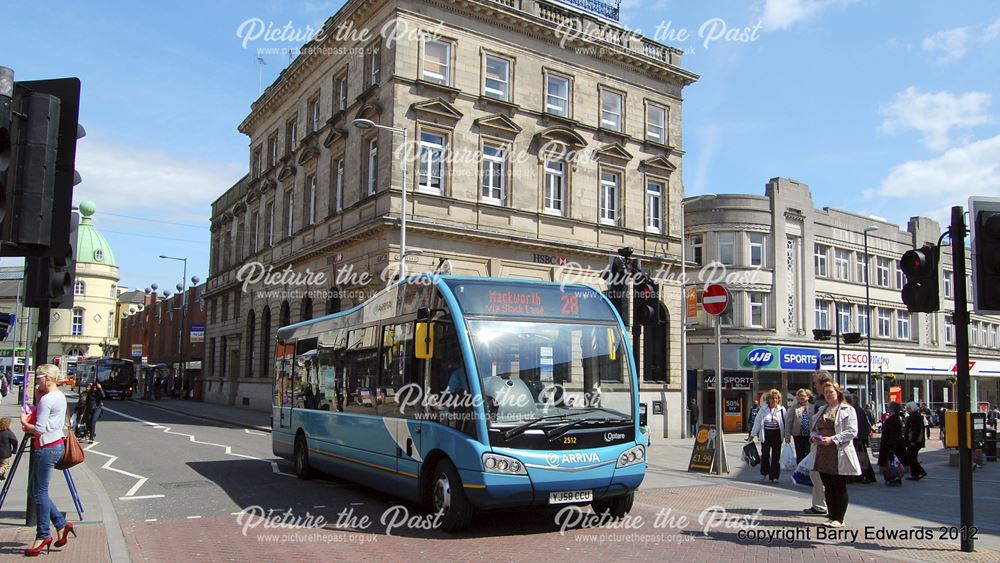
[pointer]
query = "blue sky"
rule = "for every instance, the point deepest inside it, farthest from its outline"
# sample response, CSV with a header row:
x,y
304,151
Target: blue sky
x,y
883,107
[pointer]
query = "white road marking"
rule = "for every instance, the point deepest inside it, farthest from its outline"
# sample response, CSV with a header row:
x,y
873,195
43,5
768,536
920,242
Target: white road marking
x,y
141,497
248,431
111,460
151,520
320,506
193,517
229,450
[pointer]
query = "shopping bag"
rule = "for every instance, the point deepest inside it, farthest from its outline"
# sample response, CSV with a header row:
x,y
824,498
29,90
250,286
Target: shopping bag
x,y
750,454
893,473
788,458
801,474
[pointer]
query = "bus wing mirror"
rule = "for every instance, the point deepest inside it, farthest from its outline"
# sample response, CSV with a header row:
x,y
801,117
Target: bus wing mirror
x,y
424,341
612,347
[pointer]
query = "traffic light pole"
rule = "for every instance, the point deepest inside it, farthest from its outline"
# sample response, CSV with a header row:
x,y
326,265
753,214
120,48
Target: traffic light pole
x,y
961,320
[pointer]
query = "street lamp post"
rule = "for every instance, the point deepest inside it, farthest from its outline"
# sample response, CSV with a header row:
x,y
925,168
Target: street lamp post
x,y
369,124
182,287
868,307
684,378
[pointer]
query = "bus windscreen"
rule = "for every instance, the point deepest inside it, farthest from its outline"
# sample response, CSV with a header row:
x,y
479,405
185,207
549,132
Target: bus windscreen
x,y
530,300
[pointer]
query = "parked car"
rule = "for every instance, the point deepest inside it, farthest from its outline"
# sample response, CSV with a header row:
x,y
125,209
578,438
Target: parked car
x,y
18,379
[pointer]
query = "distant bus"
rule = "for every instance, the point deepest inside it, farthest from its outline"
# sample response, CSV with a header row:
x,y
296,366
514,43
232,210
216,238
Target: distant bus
x,y
466,394
116,376
18,362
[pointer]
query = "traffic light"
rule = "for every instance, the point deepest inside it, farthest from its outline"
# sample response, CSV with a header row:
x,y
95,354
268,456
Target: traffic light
x,y
617,277
647,301
49,279
921,293
6,320
6,135
985,219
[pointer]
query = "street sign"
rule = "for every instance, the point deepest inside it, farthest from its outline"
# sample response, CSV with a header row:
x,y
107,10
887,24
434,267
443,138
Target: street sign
x,y
715,300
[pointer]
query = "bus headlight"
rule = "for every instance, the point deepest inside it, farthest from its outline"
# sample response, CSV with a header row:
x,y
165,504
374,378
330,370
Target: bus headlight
x,y
496,463
631,457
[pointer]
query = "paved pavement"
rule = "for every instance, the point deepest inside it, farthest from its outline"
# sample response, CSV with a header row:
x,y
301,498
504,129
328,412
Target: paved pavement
x,y
170,486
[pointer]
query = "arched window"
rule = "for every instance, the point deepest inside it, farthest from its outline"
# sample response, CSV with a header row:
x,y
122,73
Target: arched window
x,y
99,255
251,329
286,314
265,342
333,302
77,328
79,288
307,309
75,351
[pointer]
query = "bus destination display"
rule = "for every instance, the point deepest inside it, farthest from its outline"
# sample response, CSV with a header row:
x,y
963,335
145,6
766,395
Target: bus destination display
x,y
479,298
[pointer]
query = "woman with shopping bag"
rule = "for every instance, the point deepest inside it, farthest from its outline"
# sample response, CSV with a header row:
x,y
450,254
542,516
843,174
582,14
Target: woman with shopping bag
x,y
769,426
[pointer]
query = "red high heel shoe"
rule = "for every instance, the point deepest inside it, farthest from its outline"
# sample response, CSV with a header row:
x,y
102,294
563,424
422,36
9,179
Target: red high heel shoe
x,y
64,536
34,551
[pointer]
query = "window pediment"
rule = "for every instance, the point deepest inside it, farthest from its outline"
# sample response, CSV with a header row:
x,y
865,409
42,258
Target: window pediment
x,y
614,151
307,154
287,172
438,107
660,164
562,135
337,132
498,122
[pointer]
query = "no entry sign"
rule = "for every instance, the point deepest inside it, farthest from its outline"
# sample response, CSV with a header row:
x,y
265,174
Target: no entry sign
x,y
715,299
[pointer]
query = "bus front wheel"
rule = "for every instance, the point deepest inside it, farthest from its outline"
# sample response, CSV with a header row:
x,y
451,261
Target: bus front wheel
x,y
448,498
302,469
616,507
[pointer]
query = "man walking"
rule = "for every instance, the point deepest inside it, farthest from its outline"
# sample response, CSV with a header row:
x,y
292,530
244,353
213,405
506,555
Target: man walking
x,y
693,415
926,413
913,432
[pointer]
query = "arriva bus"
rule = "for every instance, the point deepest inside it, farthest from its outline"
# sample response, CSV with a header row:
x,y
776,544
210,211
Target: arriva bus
x,y
466,394
116,376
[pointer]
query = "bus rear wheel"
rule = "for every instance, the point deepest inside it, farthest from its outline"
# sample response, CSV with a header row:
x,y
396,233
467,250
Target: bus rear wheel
x,y
448,498
617,507
302,469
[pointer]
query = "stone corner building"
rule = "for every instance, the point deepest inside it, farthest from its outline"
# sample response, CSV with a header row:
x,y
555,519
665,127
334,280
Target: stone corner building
x,y
529,148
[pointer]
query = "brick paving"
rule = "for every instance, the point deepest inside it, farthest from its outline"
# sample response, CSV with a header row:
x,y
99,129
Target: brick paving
x,y
90,545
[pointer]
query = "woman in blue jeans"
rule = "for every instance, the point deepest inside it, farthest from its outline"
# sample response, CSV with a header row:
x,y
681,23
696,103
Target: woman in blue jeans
x,y
46,424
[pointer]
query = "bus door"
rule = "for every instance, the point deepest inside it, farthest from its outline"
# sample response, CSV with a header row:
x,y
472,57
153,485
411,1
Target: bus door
x,y
284,383
395,400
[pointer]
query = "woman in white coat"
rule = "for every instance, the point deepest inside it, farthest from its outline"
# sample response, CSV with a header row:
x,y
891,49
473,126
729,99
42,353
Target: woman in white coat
x,y
832,432
769,426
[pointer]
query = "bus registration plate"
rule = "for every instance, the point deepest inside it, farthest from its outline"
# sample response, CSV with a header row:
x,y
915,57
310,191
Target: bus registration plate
x,y
563,497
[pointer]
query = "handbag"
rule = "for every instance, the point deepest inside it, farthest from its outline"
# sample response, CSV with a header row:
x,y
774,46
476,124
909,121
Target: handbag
x,y
72,453
750,454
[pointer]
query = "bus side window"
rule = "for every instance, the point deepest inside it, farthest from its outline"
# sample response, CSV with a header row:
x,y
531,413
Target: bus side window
x,y
397,372
448,380
361,359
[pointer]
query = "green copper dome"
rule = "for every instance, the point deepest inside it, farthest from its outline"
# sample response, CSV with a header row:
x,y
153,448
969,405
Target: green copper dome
x,y
91,246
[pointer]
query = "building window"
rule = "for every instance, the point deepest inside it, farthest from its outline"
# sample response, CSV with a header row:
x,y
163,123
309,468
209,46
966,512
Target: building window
x,y
756,248
844,317
431,177
557,94
862,267
947,281
272,150
696,249
903,325
311,200
290,212
314,114
255,163
494,173
340,91
374,64
882,272
863,321
255,239
822,314
654,207
841,265
726,318
372,166
993,336
973,334
884,320
611,110
756,308
900,276
610,186
291,134
555,186
656,119
437,61
727,248
99,255
821,253
79,288
77,328
270,223
497,79
338,186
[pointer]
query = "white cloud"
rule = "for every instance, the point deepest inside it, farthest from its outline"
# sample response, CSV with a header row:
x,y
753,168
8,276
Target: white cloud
x,y
779,14
949,44
992,31
935,114
946,180
135,181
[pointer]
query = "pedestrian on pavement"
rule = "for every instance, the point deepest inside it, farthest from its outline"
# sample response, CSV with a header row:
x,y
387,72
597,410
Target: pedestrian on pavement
x,y
991,418
892,443
913,430
8,446
95,407
753,413
80,416
926,413
833,431
941,416
45,423
820,378
769,426
861,443
797,428
694,413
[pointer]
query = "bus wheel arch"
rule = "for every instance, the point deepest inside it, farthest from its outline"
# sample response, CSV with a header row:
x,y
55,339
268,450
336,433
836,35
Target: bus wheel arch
x,y
444,493
301,455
